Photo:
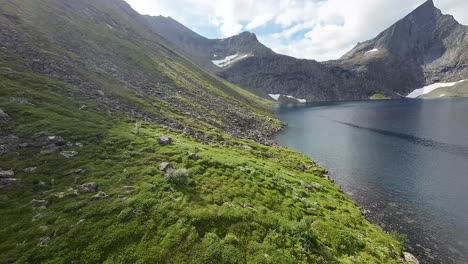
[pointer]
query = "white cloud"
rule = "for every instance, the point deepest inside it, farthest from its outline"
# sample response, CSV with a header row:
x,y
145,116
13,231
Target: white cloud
x,y
331,27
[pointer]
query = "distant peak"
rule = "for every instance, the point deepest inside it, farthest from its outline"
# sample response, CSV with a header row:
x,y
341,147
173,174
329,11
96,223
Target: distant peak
x,y
246,35
428,5
429,2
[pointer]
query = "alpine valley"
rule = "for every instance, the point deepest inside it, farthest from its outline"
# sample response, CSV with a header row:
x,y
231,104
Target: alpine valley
x,y
426,47
114,148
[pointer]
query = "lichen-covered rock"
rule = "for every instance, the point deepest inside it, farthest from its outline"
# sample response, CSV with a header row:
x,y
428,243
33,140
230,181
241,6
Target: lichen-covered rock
x,y
165,166
43,242
410,258
47,141
69,154
49,149
6,173
39,203
8,182
100,195
8,143
90,187
30,169
3,116
193,156
163,141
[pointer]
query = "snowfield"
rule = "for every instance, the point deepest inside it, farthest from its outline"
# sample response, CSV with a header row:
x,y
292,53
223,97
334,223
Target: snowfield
x,y
427,89
371,51
230,59
277,96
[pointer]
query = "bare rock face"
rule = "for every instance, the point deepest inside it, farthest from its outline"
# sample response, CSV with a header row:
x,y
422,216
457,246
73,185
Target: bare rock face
x,y
422,48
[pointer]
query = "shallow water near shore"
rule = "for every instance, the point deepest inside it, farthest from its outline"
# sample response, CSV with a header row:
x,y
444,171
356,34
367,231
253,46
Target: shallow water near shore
x,y
404,160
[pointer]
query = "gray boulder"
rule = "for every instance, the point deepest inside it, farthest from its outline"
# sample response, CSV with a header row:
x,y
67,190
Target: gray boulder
x,y
163,141
49,149
47,141
193,156
410,258
8,182
69,154
19,100
3,116
165,166
99,196
39,203
90,187
43,242
6,173
30,169
306,185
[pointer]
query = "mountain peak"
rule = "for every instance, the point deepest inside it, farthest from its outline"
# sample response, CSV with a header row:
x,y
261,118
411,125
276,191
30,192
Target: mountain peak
x,y
247,36
427,7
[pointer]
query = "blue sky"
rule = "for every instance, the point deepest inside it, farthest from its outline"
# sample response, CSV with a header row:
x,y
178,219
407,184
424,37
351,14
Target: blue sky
x,y
312,29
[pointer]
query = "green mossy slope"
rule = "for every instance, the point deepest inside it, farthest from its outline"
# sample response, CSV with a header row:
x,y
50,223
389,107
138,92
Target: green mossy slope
x,y
243,203
87,71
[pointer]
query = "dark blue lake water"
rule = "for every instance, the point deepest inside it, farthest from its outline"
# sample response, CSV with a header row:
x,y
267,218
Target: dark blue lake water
x,y
405,160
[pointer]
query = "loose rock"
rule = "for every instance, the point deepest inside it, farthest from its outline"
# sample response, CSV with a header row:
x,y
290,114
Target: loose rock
x,y
30,169
302,167
69,154
47,141
6,173
410,258
163,141
193,156
39,203
100,195
90,187
8,182
43,242
306,185
8,143
22,101
365,212
52,148
3,116
165,166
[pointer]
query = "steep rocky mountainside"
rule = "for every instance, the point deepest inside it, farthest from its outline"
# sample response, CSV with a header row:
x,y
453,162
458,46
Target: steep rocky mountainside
x,y
116,149
204,51
422,48
121,63
262,71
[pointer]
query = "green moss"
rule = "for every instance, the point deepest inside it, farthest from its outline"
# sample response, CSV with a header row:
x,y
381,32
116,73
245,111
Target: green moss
x,y
378,97
239,205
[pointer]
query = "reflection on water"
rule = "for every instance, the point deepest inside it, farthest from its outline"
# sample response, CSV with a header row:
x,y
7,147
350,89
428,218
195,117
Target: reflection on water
x,y
406,161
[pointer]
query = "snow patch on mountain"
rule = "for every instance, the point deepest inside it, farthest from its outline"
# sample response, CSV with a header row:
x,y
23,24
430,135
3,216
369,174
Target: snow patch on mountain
x,y
429,88
230,59
371,51
276,97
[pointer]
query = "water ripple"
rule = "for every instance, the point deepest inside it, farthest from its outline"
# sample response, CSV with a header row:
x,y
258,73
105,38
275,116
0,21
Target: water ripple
x,y
445,147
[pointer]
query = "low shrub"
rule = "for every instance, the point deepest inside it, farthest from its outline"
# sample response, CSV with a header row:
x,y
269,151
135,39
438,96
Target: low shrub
x,y
178,176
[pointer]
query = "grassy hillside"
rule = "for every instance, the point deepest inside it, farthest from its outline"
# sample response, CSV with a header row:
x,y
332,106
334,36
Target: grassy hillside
x,y
80,182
